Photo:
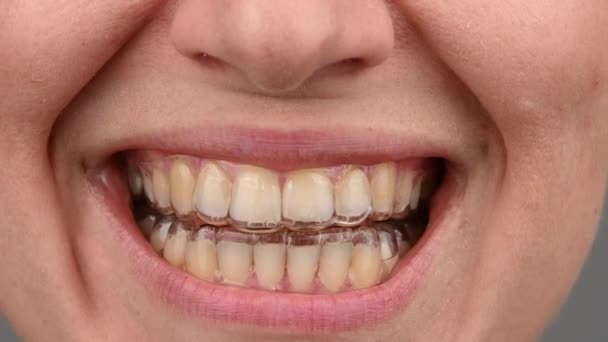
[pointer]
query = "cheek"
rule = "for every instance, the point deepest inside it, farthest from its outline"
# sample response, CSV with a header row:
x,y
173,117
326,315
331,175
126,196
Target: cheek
x,y
540,69
531,64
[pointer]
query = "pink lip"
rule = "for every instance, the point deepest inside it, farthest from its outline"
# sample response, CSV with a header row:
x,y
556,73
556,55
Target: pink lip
x,y
305,314
283,150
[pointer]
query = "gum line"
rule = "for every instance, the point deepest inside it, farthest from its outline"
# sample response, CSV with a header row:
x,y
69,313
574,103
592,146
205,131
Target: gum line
x,y
328,261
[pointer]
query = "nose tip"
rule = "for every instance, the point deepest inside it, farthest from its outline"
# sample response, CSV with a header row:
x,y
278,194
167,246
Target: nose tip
x,y
278,45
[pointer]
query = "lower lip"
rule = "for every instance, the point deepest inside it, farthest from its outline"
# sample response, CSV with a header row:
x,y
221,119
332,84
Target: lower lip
x,y
302,313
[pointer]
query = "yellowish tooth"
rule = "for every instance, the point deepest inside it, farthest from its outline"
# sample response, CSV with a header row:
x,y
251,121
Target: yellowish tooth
x,y
335,260
160,185
403,193
159,233
148,187
308,198
212,193
269,260
365,270
136,182
353,198
234,256
256,198
302,264
181,187
415,196
175,246
382,183
201,254
303,252
366,266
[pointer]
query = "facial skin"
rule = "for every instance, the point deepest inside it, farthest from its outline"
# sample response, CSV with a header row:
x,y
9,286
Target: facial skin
x,y
517,89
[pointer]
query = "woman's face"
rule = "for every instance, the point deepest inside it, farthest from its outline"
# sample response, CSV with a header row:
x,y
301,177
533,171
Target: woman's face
x,y
503,105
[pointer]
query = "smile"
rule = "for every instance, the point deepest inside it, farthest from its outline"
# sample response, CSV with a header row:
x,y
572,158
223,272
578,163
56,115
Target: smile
x,y
321,230
287,247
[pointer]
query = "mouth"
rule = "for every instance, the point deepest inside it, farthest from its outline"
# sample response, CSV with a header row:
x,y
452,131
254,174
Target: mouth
x,y
319,248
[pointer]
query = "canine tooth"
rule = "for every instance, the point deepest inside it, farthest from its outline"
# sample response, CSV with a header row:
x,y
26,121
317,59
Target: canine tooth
x,y
269,255
175,246
335,258
212,193
389,250
403,193
160,186
353,198
148,187
366,265
308,197
201,254
234,256
181,187
382,183
136,183
159,233
256,198
303,253
146,224
415,196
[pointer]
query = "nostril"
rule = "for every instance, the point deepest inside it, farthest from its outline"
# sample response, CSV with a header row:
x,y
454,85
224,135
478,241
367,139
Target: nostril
x,y
349,66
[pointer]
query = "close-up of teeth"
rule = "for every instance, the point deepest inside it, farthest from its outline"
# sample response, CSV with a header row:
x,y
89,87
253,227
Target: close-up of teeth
x,y
321,230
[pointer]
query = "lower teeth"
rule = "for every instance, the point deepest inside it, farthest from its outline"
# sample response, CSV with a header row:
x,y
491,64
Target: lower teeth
x,y
325,261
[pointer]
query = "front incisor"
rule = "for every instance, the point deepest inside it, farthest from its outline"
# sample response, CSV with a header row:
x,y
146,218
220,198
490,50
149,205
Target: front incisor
x,y
308,196
269,262
353,198
334,263
302,264
235,260
256,197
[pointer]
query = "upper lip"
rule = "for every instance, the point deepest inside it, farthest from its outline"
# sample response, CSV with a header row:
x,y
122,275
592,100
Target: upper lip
x,y
287,149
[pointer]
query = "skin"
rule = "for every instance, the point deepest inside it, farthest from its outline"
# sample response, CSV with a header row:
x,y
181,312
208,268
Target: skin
x,y
517,87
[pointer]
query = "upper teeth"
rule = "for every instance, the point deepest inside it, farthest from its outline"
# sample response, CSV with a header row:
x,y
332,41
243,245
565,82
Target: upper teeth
x,y
257,198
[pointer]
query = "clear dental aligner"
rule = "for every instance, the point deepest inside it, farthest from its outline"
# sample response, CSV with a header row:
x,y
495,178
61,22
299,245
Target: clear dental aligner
x,y
322,230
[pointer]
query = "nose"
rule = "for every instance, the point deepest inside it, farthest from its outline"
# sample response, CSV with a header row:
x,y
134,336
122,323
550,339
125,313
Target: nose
x,y
278,45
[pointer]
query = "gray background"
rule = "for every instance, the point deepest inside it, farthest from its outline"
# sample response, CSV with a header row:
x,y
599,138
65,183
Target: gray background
x,y
583,318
